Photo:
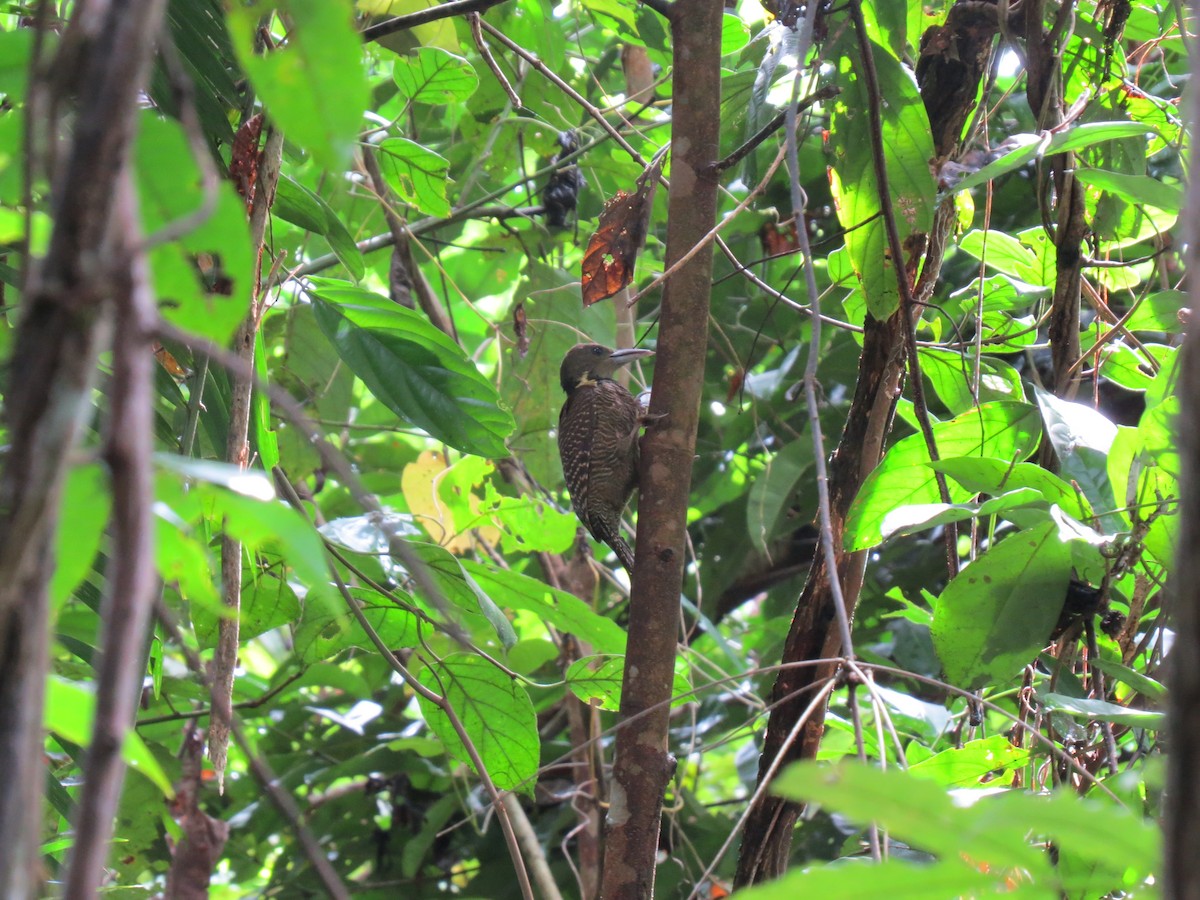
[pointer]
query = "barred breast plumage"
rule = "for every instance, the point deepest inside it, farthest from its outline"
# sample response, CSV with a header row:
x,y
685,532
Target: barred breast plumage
x,y
598,441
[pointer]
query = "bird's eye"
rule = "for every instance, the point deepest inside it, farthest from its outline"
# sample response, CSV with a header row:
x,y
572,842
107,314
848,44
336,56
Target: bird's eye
x,y
597,351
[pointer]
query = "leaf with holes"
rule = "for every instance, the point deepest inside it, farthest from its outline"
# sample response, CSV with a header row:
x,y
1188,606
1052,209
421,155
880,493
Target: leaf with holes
x,y
417,174
998,612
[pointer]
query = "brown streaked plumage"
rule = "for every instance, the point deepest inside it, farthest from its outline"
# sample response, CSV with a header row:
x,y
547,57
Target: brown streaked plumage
x,y
598,441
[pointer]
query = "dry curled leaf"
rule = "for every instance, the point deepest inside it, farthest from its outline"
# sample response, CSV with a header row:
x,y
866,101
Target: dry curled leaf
x,y
778,241
521,330
169,362
243,159
612,251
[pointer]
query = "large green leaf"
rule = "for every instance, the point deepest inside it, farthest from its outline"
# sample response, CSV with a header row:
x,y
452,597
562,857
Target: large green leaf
x,y
773,490
997,613
327,628
314,86
433,76
69,712
999,835
1082,438
297,204
908,147
205,279
564,611
417,174
413,369
87,500
496,714
1001,430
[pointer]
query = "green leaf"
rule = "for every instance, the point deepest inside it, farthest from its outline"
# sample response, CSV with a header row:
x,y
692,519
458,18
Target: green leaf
x,y
267,603
855,879
1002,430
1031,146
1159,312
1146,686
734,33
413,369
952,377
975,764
16,48
494,711
1103,711
417,174
908,147
262,524
1022,257
997,613
431,75
69,712
566,612
86,501
266,441
997,834
314,86
297,204
1143,189
327,628
596,680
205,279
450,577
982,475
920,517
914,811
1082,438
772,490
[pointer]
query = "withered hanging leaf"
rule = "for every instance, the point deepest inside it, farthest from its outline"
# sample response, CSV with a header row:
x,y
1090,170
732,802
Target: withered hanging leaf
x,y
777,241
168,361
521,330
639,74
736,380
243,158
612,251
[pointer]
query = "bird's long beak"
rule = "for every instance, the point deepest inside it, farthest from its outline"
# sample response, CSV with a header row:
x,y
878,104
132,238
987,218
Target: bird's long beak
x,y
623,357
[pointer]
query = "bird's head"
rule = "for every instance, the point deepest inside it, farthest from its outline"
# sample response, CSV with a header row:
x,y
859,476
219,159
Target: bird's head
x,y
586,363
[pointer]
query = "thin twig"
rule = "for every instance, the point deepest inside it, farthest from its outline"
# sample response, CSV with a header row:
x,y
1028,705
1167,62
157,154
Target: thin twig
x,y
261,769
486,53
828,92
132,580
425,16
799,204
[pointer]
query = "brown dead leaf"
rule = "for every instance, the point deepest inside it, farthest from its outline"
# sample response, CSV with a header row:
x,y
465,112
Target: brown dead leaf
x,y
612,252
243,158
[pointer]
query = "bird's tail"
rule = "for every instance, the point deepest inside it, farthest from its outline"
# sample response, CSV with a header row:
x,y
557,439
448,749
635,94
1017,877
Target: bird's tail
x,y
623,550
612,537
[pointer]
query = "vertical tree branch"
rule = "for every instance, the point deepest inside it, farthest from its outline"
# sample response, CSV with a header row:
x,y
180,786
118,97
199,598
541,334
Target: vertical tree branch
x,y
237,450
132,578
643,766
62,329
814,633
1044,92
1181,826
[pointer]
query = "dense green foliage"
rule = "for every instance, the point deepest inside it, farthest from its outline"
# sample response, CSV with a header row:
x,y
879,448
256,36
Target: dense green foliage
x,y
426,419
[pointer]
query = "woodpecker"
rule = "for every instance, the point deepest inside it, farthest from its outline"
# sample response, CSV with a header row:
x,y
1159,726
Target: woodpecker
x,y
598,440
